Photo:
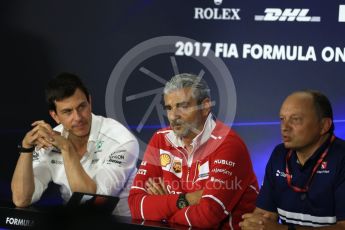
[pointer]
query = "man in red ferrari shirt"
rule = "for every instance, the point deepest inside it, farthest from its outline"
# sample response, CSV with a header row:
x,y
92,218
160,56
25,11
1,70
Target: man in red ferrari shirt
x,y
198,171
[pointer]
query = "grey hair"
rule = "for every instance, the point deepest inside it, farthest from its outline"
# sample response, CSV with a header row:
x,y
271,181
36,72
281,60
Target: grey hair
x,y
200,89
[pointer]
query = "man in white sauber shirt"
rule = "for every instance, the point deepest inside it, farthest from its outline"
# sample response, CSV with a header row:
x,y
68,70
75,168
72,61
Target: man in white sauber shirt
x,y
84,153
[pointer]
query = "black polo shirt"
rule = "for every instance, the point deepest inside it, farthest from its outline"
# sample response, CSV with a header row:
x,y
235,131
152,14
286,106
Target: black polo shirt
x,y
323,204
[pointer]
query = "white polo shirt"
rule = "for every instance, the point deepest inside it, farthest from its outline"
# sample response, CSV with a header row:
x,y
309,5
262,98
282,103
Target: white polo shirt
x,y
110,160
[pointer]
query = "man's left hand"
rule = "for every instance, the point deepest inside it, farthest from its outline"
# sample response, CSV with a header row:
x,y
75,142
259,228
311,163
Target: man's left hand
x,y
60,141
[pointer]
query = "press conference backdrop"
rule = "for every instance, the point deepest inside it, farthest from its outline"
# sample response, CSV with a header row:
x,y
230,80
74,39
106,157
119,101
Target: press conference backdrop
x,y
252,53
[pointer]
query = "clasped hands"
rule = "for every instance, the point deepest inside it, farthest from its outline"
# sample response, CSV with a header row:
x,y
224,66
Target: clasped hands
x,y
43,136
259,221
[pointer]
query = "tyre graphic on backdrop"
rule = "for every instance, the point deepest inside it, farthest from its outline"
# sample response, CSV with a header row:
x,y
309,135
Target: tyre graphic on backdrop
x,y
135,87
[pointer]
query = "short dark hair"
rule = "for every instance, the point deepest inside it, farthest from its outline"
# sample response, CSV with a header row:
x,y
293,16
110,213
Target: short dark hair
x,y
322,106
62,86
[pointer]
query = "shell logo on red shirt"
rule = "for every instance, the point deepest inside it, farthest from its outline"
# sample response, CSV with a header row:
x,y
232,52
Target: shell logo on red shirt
x,y
165,159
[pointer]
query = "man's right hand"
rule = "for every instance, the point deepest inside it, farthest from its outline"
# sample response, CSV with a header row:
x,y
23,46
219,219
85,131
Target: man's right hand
x,y
23,185
41,135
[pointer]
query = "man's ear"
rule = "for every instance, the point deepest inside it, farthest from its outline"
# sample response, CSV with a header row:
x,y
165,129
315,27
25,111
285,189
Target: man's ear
x,y
326,124
206,106
54,116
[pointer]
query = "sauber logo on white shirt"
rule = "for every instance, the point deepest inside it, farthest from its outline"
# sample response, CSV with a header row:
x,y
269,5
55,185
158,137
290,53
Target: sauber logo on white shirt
x,y
287,15
225,162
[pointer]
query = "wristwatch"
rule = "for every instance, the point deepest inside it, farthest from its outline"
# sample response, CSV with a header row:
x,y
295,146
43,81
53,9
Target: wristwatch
x,y
21,149
182,202
291,227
